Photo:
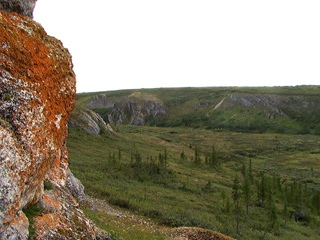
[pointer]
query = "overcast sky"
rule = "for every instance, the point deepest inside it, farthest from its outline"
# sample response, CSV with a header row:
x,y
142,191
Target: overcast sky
x,y
126,44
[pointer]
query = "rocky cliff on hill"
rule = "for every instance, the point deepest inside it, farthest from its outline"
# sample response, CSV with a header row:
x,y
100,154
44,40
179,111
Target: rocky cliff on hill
x,y
293,110
89,121
134,109
135,112
36,99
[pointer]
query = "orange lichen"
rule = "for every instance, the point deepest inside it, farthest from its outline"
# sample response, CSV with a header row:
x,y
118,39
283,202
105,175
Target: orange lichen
x,y
40,69
45,222
50,204
36,72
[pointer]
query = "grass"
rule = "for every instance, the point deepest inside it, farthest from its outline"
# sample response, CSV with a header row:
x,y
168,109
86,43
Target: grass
x,y
32,211
178,195
124,229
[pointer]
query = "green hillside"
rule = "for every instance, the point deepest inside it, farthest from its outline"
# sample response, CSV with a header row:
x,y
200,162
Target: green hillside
x,y
292,110
249,185
127,171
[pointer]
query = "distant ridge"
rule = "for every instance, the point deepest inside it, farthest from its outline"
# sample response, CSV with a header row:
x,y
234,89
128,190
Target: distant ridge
x,y
293,110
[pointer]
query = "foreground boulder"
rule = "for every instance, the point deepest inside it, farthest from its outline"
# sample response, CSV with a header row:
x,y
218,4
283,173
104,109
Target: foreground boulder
x,y
36,99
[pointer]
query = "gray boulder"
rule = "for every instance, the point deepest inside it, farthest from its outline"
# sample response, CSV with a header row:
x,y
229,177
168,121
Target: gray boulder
x,y
75,187
89,121
23,7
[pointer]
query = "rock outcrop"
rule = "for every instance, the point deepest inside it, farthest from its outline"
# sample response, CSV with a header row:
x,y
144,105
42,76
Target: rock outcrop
x,y
23,7
101,101
135,112
134,109
75,187
272,102
36,99
89,121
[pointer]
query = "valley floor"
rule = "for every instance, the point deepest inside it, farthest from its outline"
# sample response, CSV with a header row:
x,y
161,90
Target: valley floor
x,y
133,223
164,174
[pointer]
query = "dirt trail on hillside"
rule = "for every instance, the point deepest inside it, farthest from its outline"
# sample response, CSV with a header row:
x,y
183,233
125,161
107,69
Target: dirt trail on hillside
x,y
122,215
182,233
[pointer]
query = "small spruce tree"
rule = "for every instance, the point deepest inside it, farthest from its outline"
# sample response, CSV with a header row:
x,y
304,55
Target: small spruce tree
x,y
247,191
272,212
197,159
213,158
250,172
183,155
236,196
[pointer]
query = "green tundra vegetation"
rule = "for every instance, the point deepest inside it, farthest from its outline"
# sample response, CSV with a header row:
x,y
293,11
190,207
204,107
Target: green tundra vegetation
x,y
248,184
196,108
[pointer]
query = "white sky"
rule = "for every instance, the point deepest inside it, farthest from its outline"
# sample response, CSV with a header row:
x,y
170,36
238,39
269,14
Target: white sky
x,y
126,44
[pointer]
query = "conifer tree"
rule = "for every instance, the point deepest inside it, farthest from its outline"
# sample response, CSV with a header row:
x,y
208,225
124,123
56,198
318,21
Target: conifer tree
x,y
257,184
213,158
243,170
183,155
161,160
223,196
138,160
272,211
263,188
316,202
197,159
119,154
131,159
247,190
285,212
236,196
165,158
208,185
228,205
250,173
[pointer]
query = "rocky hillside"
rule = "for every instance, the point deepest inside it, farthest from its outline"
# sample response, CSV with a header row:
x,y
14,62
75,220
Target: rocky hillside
x,y
36,99
89,121
278,109
134,109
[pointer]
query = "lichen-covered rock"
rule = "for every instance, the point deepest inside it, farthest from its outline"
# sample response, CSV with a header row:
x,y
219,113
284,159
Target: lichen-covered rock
x,y
36,99
61,218
23,7
17,229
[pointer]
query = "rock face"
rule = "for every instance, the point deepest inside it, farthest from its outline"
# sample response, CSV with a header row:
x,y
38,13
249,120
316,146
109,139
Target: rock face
x,y
272,102
23,7
135,112
89,121
101,101
134,109
36,99
75,187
